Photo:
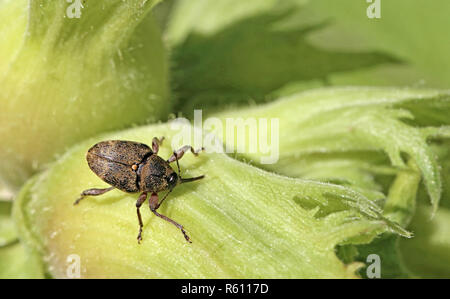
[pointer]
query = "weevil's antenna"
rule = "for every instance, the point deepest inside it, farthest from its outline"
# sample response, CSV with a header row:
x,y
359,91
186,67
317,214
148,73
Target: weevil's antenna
x,y
178,165
165,196
186,180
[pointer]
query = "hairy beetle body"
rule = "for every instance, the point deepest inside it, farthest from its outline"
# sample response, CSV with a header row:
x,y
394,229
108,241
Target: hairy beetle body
x,y
135,167
129,166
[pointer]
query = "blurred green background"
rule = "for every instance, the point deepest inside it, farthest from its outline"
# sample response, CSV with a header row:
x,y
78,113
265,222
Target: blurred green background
x,y
123,65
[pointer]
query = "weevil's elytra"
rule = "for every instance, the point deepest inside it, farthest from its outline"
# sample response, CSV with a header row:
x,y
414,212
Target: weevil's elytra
x,y
135,167
113,161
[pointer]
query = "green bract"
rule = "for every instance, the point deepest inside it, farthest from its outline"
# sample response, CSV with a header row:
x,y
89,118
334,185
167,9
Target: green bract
x,y
373,140
244,222
65,79
338,134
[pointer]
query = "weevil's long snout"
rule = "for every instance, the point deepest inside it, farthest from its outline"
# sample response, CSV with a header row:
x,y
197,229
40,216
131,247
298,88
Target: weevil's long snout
x,y
187,180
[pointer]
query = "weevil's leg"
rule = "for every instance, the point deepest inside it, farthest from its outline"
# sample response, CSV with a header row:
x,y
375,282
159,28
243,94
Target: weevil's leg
x,y
178,154
139,203
92,192
153,203
156,143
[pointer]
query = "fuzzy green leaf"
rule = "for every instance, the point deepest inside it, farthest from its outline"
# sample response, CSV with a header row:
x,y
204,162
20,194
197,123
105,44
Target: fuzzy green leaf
x,y
336,121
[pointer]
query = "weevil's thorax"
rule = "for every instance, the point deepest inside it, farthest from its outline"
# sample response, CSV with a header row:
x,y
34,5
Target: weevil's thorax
x,y
153,174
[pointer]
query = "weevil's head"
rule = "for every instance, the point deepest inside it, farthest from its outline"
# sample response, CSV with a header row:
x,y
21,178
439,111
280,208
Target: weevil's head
x,y
172,180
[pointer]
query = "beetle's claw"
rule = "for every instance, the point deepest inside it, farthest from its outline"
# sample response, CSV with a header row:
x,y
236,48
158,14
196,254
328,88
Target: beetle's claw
x,y
186,236
139,237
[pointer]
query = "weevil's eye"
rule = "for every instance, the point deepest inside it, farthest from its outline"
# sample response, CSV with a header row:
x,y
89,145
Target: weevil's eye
x,y
172,180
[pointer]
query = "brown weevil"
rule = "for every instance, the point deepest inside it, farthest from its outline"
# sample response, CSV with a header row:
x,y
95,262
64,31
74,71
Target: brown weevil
x,y
133,167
